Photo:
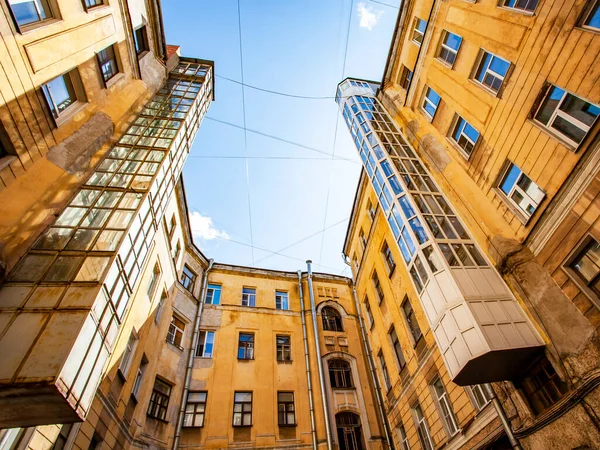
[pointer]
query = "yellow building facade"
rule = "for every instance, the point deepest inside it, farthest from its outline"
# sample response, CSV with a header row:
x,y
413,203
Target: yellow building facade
x,y
490,108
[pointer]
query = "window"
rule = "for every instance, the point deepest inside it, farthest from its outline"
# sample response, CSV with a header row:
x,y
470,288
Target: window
x,y
213,294
384,370
248,297
388,258
431,101
107,61
195,408
246,346
139,377
363,239
419,27
480,395
284,348
405,77
491,71
340,374
397,347
464,135
542,387
140,36
402,438
128,353
371,209
89,4
281,300
377,287
61,439
242,409
411,319
188,278
171,226
422,428
285,408
567,115
95,442
63,93
445,407
28,12
159,400
586,265
154,278
159,308
520,190
523,5
369,312
177,251
449,45
175,333
206,342
592,18
332,321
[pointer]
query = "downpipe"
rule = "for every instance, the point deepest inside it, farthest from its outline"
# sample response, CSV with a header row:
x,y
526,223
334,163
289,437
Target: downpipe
x,y
190,363
514,442
319,362
313,425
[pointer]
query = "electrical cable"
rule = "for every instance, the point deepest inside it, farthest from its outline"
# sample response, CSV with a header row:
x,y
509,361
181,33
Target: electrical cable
x,y
384,4
258,157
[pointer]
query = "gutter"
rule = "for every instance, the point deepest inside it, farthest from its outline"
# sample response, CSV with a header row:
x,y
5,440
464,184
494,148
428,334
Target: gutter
x,y
191,355
393,43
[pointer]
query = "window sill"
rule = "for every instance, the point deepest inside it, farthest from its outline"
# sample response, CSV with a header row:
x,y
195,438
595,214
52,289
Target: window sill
x,y
279,361
245,359
192,426
6,161
241,426
585,290
589,29
418,44
178,347
513,209
69,113
487,89
202,357
293,425
93,9
157,419
445,63
523,12
33,27
427,115
460,150
141,55
114,80
548,132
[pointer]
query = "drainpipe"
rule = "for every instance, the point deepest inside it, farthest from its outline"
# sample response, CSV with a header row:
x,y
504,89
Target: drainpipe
x,y
190,364
319,362
502,415
313,426
374,379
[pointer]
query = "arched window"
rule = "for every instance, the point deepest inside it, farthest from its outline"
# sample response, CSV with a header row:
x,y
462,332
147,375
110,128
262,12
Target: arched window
x,y
340,374
349,431
332,321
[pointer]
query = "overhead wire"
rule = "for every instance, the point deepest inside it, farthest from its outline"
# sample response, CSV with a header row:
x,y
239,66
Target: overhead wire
x,y
384,4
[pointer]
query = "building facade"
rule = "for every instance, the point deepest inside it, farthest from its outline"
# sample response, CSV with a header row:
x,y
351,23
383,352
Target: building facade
x,y
481,143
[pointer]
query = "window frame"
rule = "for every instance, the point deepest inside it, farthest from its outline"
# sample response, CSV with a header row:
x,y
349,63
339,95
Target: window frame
x,y
369,312
188,282
242,412
282,349
158,395
154,281
283,295
540,396
213,289
409,322
286,404
444,406
430,102
388,258
513,206
402,437
417,21
397,348
247,345
87,8
477,393
479,62
594,6
193,413
144,39
107,82
160,306
79,99
384,370
139,378
128,354
326,320
176,332
423,431
454,127
342,375
204,353
576,255
405,77
377,287
54,15
443,46
529,12
249,297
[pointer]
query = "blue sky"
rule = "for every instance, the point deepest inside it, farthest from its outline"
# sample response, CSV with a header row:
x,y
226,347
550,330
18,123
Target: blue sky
x,y
294,193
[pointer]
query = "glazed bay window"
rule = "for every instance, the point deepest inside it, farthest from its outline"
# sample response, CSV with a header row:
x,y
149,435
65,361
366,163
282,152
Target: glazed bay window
x,y
405,77
397,348
206,343
411,320
384,370
449,45
242,409
281,300
175,333
445,407
286,413
284,348
140,37
491,71
249,297
213,294
386,252
522,5
62,94
592,18
464,135
27,13
377,287
246,346
431,101
419,27
107,60
159,400
566,115
585,265
188,278
195,407
422,428
521,192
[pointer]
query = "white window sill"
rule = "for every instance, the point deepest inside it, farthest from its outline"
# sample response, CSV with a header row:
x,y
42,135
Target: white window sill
x,y
460,150
485,88
554,135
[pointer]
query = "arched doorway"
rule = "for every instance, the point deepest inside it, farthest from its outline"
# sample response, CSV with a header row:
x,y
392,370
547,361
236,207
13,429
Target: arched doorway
x,y
349,432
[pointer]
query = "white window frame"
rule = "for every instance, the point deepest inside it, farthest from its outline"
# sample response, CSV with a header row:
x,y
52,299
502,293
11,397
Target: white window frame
x,y
402,437
282,295
480,61
502,4
588,15
482,392
444,406
139,378
453,128
249,299
422,426
171,336
128,353
213,290
563,115
60,117
515,187
205,354
416,22
448,48
426,100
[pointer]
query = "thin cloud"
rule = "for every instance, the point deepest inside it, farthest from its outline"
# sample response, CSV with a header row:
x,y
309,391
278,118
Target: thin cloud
x,y
203,228
368,16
